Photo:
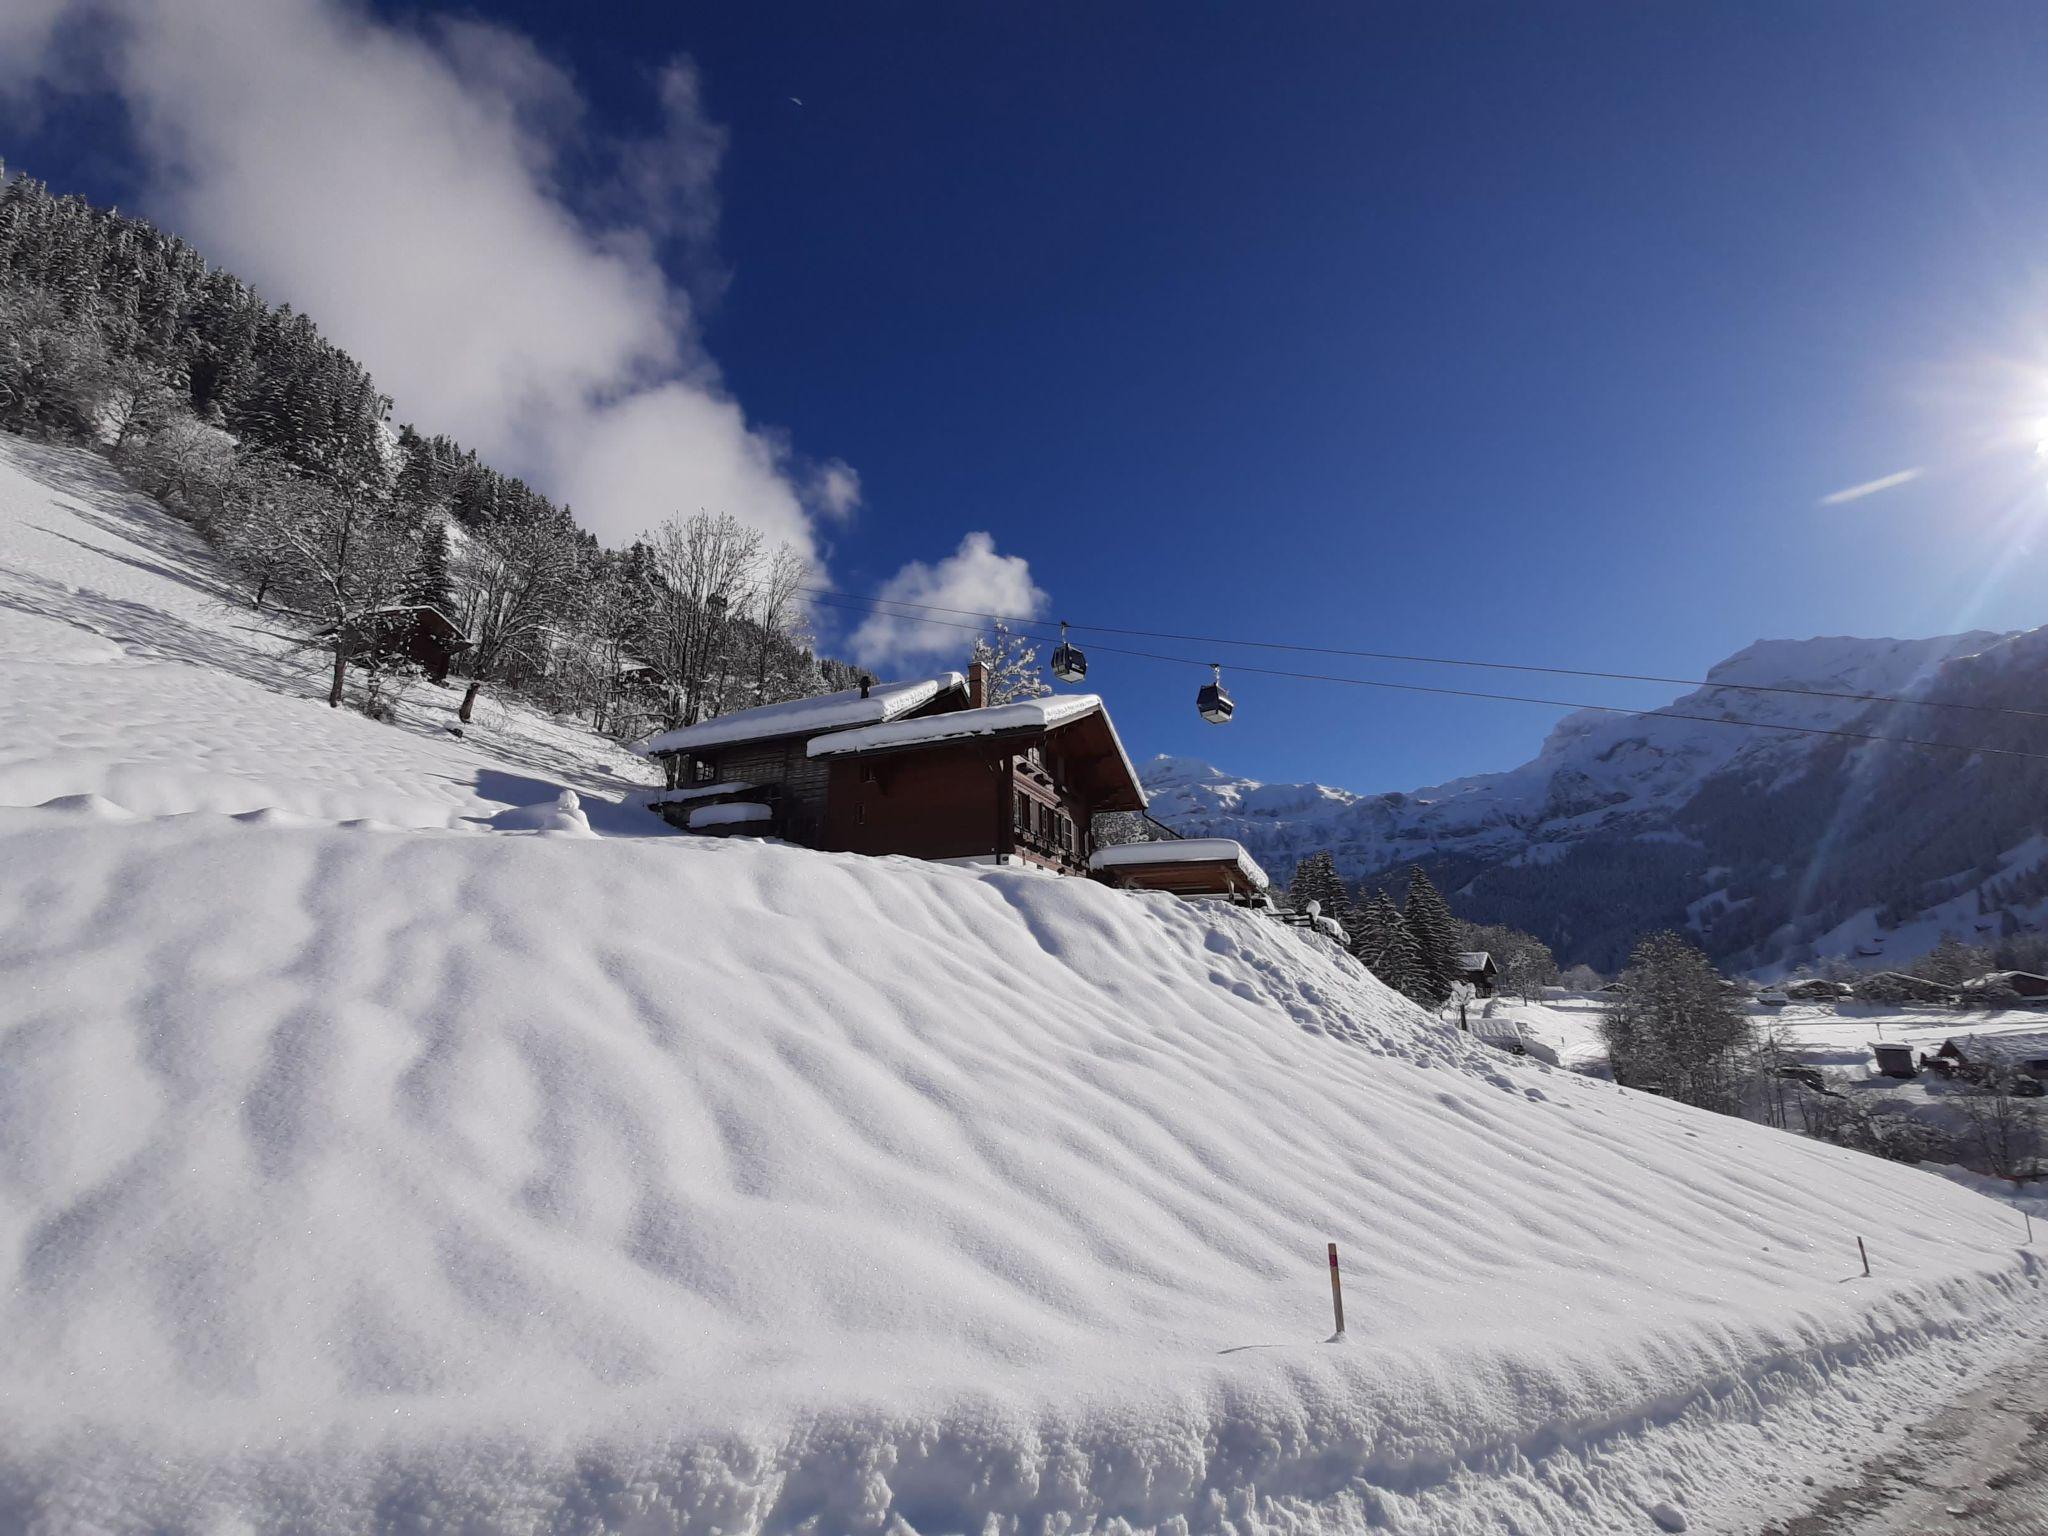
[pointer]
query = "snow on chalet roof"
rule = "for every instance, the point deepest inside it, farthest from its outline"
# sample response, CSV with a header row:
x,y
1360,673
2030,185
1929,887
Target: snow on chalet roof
x,y
1044,714
1474,960
805,717
1185,850
2006,1049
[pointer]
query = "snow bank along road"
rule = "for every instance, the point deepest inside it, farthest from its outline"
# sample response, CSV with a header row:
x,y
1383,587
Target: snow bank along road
x,y
502,1175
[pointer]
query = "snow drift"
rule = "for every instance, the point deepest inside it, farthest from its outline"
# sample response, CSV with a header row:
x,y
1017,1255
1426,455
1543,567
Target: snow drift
x,y
498,1176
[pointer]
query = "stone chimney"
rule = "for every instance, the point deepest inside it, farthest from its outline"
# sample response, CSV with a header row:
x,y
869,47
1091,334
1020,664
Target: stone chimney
x,y
866,683
977,684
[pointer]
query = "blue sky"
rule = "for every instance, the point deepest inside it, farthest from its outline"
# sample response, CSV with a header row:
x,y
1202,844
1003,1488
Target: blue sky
x,y
1530,336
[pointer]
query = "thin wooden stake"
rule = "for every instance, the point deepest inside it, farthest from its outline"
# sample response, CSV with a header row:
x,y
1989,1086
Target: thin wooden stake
x,y
2030,1227
1866,1255
1336,1291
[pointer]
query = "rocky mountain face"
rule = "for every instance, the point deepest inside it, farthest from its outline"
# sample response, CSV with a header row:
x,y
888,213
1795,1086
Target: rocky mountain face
x,y
1771,847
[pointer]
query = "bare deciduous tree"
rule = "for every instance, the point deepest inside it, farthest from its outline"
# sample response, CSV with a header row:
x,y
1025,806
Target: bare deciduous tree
x,y
335,560
2004,1130
516,580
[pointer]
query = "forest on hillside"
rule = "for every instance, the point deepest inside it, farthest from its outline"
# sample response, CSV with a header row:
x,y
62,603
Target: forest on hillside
x,y
277,445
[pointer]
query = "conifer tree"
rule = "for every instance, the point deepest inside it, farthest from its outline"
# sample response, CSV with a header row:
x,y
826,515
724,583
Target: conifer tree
x,y
1436,935
1383,942
1674,1029
1316,879
431,586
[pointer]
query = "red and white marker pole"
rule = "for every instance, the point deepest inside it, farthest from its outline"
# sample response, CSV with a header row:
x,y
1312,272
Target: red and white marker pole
x,y
1336,1292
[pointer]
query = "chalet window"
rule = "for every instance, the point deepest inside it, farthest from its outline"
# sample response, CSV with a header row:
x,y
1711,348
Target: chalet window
x,y
701,771
1023,817
867,773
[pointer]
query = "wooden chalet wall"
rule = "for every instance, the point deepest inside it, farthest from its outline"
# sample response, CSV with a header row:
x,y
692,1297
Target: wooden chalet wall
x,y
946,801
783,762
1036,789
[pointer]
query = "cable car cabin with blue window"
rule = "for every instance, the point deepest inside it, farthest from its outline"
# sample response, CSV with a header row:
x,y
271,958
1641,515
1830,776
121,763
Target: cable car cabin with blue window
x,y
927,774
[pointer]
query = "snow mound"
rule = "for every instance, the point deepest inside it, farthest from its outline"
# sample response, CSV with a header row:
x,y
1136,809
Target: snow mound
x,y
737,1185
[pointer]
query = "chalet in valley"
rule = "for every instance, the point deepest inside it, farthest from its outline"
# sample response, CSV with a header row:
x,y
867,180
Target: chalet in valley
x,y
1974,1055
1476,966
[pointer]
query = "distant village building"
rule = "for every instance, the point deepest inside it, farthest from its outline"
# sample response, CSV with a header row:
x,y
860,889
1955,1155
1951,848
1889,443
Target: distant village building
x,y
926,768
1974,1055
2023,984
1894,1058
1476,966
410,633
1812,989
1898,986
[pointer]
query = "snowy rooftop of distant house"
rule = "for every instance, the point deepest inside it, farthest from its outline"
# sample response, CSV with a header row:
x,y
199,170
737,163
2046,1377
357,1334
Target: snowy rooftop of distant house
x,y
2003,979
1044,714
2007,1049
1185,850
1475,960
799,717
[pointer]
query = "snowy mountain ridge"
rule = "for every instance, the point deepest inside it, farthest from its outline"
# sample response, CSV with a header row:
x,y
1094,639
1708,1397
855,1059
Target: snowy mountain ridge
x,y
1605,787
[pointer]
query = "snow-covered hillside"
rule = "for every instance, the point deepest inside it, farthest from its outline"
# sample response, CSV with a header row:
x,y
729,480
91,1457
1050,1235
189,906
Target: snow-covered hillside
x,y
386,1143
1622,824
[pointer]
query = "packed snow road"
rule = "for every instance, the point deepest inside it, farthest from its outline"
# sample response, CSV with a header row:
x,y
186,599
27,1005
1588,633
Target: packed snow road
x,y
1979,1465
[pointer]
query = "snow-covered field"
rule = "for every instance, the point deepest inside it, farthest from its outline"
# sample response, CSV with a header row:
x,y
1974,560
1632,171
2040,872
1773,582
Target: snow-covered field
x,y
384,1144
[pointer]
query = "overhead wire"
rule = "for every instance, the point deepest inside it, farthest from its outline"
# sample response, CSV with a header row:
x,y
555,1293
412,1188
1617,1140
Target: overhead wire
x,y
843,600
823,593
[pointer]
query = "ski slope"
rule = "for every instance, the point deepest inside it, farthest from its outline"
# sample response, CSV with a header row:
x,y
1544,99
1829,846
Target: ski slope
x,y
387,1142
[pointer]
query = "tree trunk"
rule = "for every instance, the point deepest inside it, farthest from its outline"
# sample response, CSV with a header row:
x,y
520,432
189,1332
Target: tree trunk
x,y
334,693
469,700
262,587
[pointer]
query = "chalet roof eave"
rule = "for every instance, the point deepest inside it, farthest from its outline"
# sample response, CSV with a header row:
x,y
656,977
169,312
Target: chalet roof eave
x,y
1015,734
1117,799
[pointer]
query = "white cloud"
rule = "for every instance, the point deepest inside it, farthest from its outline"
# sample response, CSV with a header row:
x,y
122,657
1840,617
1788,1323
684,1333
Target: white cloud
x,y
833,490
972,583
28,35
1870,487
401,186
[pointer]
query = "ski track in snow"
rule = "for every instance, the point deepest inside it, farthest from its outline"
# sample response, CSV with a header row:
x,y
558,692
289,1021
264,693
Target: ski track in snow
x,y
387,1142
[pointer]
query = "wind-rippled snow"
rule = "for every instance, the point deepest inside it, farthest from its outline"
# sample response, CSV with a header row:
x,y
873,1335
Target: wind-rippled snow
x,y
466,1178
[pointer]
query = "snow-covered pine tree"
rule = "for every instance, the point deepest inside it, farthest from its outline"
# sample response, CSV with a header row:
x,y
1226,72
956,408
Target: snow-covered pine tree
x,y
1012,662
1436,935
431,585
1316,879
1382,942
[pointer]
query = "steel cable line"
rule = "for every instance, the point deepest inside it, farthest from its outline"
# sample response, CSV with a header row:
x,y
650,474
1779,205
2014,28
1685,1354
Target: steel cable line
x,y
1510,698
825,593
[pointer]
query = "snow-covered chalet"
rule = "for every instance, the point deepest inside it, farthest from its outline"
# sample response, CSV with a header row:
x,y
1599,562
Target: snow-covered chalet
x,y
926,768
